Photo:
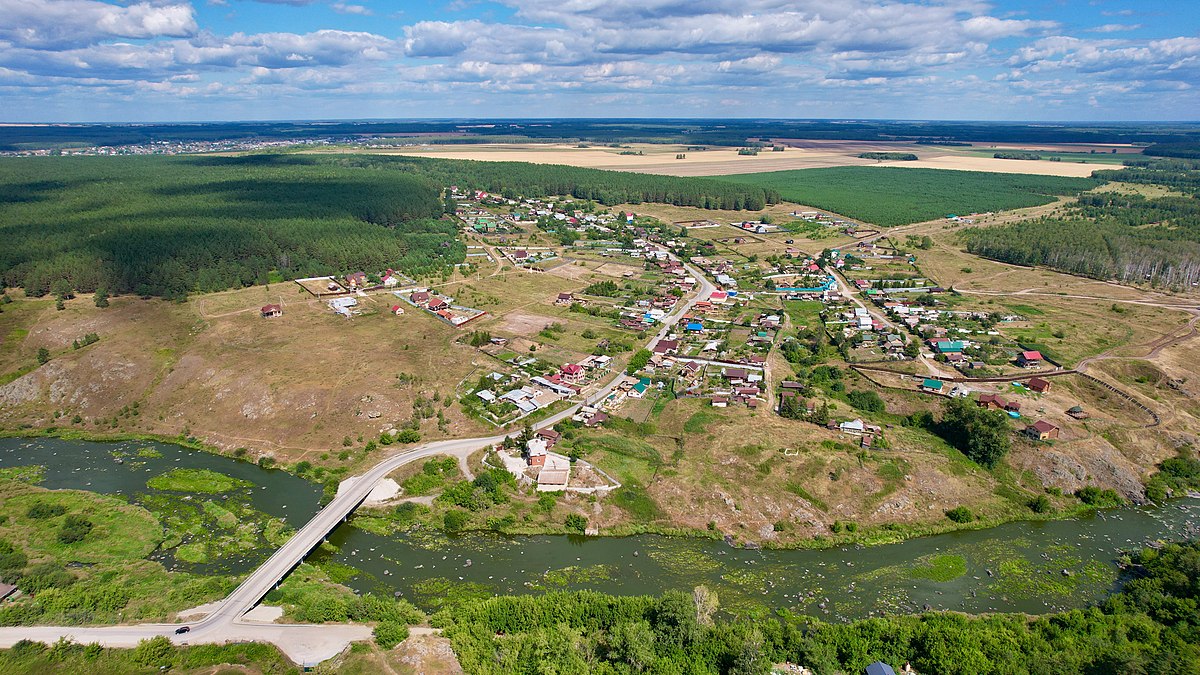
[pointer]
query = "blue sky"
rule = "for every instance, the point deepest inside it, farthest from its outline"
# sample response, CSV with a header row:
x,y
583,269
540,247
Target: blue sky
x,y
173,60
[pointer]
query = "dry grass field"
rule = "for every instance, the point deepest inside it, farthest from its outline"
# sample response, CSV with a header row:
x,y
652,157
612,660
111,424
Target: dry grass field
x,y
292,386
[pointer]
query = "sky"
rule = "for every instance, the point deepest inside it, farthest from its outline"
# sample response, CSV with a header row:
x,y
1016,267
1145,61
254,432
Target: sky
x,y
1025,60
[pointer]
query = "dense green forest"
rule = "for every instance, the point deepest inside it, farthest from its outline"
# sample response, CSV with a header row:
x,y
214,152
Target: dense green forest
x,y
1152,626
897,196
170,226
1124,237
518,179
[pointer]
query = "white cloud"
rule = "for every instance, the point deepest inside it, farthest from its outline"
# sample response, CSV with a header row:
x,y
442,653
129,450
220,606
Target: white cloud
x,y
61,23
343,8
1115,28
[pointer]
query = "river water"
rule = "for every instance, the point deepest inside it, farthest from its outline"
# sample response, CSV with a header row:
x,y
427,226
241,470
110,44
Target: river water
x,y
1033,567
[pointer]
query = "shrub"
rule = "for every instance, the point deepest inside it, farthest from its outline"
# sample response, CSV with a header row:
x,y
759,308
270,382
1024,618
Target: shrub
x,y
454,521
157,651
43,510
388,634
960,514
866,401
576,523
1094,496
1040,504
74,529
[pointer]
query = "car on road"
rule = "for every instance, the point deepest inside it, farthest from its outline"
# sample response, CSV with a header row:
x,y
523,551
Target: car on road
x,y
182,629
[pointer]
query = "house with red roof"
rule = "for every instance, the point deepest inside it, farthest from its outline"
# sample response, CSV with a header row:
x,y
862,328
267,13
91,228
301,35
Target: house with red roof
x,y
572,373
1029,359
1038,385
271,311
1042,430
666,347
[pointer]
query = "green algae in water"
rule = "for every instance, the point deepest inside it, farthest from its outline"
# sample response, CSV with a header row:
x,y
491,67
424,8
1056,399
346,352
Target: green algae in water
x,y
203,481
574,574
438,592
204,531
149,453
679,560
941,568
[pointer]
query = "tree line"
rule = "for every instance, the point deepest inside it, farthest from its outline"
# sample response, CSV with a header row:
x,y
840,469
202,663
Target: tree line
x,y
517,179
1151,626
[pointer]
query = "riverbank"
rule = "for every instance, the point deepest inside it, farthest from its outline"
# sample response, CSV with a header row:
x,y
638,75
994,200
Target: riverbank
x,y
388,520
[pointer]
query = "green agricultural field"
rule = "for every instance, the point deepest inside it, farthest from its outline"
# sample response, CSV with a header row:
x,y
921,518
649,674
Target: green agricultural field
x,y
892,196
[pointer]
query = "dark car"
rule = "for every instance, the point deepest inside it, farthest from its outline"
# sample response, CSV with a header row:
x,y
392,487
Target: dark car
x,y
182,629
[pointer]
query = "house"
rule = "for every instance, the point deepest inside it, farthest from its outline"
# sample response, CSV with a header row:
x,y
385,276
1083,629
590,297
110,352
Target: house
x,y
991,402
437,305
271,310
595,420
853,427
535,448
572,373
1029,359
564,299
1039,385
1042,430
719,402
948,346
932,386
1077,412
486,395
734,375
356,280
419,297
638,390
666,347
695,326
550,436
397,310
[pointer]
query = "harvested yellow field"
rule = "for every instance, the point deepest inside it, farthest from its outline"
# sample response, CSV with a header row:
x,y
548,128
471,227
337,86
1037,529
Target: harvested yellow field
x,y
993,165
717,161
656,159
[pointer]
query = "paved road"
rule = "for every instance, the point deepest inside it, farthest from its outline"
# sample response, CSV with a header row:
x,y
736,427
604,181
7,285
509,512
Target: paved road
x,y
307,644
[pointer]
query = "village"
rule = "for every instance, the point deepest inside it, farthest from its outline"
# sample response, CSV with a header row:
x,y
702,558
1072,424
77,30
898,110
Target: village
x,y
780,311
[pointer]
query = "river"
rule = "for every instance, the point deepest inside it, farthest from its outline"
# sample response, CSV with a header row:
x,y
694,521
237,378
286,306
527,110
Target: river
x,y
1033,567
